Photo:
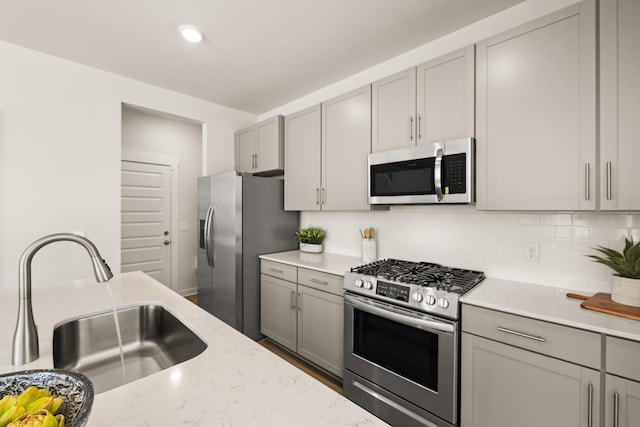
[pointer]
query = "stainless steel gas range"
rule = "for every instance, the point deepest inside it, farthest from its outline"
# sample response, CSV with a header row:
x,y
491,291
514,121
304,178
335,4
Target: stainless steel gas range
x,y
402,345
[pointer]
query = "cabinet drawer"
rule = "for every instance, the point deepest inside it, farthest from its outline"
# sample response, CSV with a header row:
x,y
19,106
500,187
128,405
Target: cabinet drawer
x,y
322,281
622,358
562,342
279,270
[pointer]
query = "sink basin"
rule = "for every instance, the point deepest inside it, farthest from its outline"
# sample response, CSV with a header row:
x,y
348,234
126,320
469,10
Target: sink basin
x,y
153,339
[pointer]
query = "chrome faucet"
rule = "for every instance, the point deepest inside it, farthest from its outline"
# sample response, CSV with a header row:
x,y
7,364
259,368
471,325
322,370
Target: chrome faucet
x,y
25,339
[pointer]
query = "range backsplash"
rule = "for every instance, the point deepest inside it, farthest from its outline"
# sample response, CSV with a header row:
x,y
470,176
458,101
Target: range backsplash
x,y
493,242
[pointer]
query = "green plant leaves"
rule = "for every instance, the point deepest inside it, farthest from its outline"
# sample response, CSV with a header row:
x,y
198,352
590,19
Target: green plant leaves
x,y
625,264
313,235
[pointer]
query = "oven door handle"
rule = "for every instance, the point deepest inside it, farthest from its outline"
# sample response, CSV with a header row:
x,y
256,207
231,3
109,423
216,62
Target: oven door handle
x,y
388,312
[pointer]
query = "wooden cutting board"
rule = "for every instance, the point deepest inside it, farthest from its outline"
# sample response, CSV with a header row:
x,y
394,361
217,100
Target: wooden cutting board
x,y
602,302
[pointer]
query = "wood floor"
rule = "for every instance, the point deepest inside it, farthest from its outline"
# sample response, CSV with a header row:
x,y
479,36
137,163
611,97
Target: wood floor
x,y
326,379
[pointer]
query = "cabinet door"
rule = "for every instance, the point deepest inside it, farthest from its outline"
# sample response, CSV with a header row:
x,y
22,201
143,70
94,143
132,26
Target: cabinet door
x,y
320,328
536,115
302,160
278,310
620,104
504,386
394,111
622,402
269,145
245,149
346,143
446,96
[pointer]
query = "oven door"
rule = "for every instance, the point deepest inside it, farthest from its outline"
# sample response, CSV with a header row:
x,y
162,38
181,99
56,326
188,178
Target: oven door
x,y
410,354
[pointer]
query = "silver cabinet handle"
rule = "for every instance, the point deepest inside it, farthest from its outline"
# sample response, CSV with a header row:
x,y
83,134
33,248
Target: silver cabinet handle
x,y
410,128
587,181
616,409
318,281
521,334
317,195
323,196
275,270
299,301
256,165
294,304
419,127
590,406
437,172
609,180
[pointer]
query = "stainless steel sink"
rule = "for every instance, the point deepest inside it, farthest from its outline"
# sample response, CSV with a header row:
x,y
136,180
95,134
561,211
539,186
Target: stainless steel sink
x,y
153,339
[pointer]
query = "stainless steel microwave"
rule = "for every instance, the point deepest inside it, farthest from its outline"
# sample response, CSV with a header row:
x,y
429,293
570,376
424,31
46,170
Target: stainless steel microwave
x,y
441,172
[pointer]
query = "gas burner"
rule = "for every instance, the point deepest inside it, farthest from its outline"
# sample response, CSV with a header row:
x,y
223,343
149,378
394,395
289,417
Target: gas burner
x,y
422,274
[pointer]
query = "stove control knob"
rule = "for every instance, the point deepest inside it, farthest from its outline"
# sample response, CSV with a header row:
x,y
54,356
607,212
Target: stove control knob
x,y
417,297
368,285
430,300
443,303
359,283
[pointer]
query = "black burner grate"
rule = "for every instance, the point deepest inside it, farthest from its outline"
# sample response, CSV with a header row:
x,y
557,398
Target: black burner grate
x,y
423,274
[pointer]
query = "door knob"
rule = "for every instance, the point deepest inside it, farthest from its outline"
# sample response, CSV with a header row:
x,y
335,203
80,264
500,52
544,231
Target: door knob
x,y
166,242
166,233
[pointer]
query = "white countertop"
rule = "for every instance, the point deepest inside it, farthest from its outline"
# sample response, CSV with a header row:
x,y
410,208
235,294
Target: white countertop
x,y
233,382
549,304
326,262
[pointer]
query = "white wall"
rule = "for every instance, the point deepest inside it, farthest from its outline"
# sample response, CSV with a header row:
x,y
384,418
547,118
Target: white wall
x,y
460,236
60,156
149,138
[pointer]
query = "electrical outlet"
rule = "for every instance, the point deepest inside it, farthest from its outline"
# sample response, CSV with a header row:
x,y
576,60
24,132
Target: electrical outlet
x,y
532,252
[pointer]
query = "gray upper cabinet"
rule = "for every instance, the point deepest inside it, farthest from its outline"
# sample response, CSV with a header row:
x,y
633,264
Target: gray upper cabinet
x,y
536,114
431,102
259,148
393,118
446,95
302,135
620,105
326,148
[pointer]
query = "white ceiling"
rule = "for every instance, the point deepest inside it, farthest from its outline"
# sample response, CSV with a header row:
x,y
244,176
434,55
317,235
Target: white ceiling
x,y
257,54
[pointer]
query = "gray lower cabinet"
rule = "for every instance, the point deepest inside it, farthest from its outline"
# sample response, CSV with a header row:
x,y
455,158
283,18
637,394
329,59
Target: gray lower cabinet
x,y
517,371
302,310
622,392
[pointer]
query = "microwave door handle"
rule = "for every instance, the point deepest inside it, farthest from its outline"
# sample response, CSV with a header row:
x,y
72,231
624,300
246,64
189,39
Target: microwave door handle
x,y
437,174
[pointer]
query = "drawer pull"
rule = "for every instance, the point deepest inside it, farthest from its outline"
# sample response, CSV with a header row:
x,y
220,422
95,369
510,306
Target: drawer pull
x,y
590,406
275,270
616,409
318,281
521,334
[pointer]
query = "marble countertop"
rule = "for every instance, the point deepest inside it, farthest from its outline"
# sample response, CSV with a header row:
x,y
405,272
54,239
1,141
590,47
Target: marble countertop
x,y
233,382
325,262
549,304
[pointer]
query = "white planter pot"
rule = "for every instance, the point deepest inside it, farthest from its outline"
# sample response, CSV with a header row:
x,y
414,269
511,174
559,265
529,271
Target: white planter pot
x,y
310,247
625,291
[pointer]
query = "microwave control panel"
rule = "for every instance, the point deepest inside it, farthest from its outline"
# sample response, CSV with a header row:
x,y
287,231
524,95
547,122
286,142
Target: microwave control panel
x,y
454,175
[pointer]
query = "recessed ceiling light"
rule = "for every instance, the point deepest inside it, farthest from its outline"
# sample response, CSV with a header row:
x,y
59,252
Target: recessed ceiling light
x,y
190,33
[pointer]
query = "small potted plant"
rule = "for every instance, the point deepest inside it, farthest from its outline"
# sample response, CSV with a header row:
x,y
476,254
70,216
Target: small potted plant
x,y
625,283
311,239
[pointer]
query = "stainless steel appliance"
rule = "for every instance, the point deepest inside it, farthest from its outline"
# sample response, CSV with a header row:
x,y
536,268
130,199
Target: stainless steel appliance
x,y
240,216
401,340
441,172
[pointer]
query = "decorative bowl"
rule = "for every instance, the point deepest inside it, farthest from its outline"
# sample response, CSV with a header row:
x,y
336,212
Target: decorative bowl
x,y
74,388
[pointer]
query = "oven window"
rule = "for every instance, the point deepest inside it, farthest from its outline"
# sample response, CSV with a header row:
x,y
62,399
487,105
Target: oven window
x,y
406,178
409,352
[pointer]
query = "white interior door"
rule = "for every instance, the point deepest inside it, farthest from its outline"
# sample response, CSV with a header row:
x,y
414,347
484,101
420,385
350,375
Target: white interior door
x,y
146,220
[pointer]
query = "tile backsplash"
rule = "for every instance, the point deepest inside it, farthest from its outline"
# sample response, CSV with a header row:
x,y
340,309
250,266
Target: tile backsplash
x,y
493,242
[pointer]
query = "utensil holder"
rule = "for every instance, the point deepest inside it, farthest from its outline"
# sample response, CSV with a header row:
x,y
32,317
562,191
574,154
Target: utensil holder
x,y
369,250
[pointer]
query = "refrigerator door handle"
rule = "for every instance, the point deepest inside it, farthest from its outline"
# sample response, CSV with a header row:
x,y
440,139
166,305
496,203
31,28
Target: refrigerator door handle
x,y
207,235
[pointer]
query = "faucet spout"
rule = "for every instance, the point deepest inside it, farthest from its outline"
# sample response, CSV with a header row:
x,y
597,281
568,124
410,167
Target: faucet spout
x,y
25,338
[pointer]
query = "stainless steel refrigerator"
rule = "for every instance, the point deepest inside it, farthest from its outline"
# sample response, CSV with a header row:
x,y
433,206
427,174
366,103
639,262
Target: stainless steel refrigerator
x,y
240,216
